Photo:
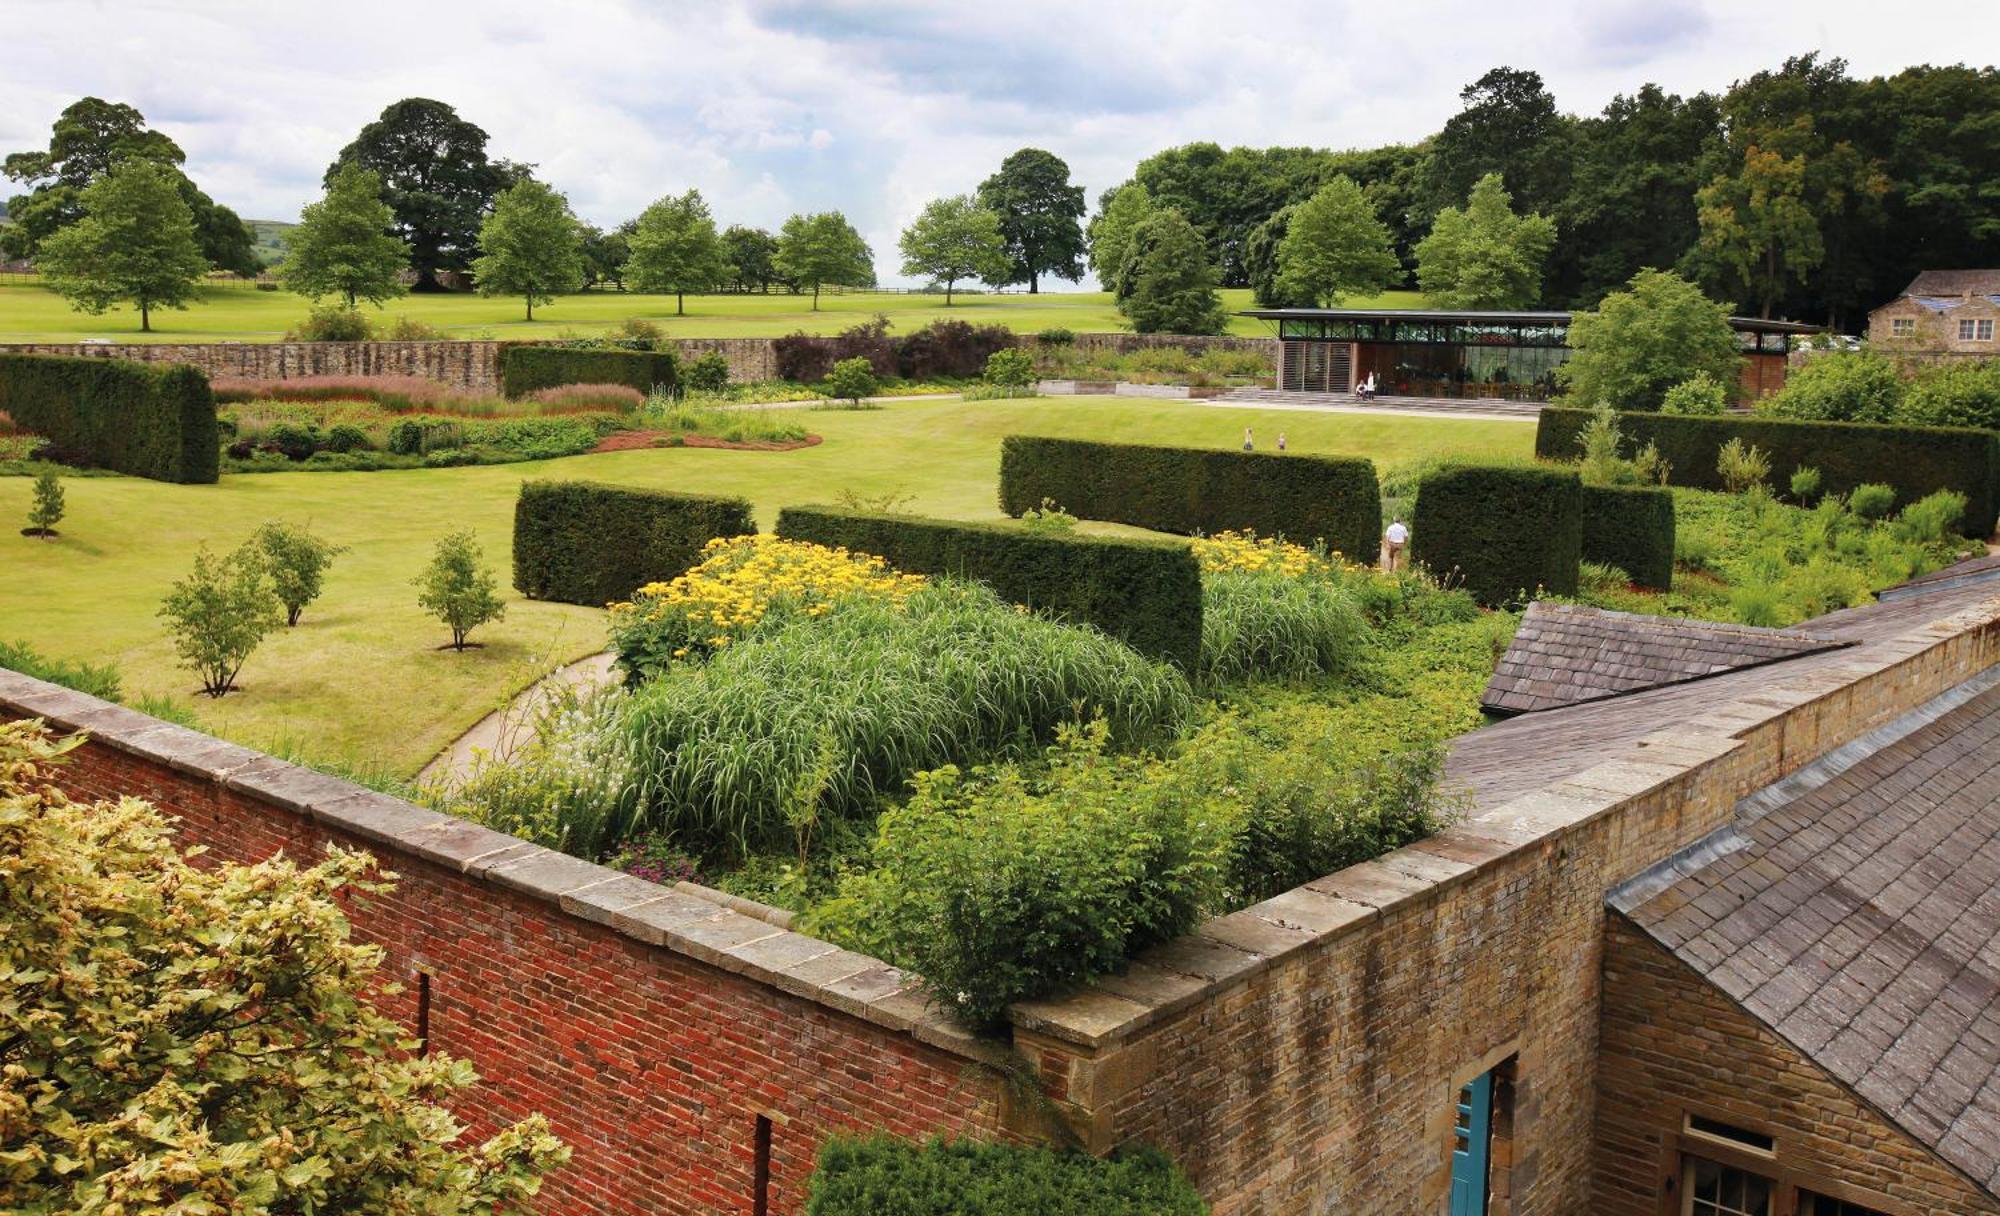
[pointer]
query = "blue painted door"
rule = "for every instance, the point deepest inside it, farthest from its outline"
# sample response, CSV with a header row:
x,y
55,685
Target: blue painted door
x,y
1468,1147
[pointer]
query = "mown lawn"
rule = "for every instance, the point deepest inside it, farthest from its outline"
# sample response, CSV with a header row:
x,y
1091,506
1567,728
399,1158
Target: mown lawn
x,y
30,313
360,681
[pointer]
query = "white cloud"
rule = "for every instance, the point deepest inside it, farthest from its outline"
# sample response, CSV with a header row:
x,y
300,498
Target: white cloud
x,y
771,106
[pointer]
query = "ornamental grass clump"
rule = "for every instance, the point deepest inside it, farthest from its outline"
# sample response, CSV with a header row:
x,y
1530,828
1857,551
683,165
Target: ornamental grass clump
x,y
951,674
741,581
1273,610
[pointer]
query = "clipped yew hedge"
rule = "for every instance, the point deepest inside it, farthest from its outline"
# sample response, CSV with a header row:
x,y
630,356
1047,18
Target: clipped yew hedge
x,y
1632,528
1146,593
148,420
1501,531
879,1174
1193,490
1916,460
579,542
525,369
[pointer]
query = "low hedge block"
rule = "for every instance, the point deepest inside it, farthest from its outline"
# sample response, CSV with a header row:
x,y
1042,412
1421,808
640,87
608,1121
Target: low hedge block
x,y
578,542
1193,490
1632,528
148,420
1146,593
525,369
1916,460
1502,531
870,1176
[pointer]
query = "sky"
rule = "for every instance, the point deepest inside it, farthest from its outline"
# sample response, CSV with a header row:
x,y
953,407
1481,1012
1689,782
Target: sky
x,y
776,106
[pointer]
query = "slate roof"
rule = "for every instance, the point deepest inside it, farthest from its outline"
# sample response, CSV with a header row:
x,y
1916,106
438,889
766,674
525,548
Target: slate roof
x,y
1567,654
1854,909
1530,752
1954,283
1973,571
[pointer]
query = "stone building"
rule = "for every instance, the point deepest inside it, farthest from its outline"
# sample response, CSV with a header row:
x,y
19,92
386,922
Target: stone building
x,y
1942,313
1718,934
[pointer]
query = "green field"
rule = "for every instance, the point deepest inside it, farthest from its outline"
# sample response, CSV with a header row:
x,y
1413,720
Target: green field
x,y
360,680
239,313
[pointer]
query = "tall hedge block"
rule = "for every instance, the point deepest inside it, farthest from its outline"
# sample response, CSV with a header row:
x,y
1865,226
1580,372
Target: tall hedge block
x,y
524,369
1146,593
579,542
148,420
1192,490
1632,528
1916,460
1501,531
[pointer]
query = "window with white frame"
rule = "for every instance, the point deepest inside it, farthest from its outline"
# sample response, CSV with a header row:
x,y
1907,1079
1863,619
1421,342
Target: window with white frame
x,y
1902,327
1970,330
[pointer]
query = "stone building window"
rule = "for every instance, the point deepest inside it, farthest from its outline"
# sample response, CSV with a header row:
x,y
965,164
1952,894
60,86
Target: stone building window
x,y
1902,327
1975,331
1714,1189
1814,1204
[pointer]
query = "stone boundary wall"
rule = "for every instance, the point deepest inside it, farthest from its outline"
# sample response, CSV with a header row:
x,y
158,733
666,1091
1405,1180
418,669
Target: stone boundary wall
x,y
1304,1055
652,1026
475,366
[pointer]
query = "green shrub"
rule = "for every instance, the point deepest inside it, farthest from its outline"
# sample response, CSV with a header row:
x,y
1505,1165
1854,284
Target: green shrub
x,y
721,755
1872,500
1049,519
851,380
1632,528
579,542
1269,625
1932,519
1848,386
137,418
1741,467
295,440
1700,395
881,1176
458,589
1145,593
295,561
332,322
406,438
347,437
1192,491
1915,460
1010,368
47,509
218,615
99,680
708,373
1805,484
1963,392
1504,531
524,369
1056,336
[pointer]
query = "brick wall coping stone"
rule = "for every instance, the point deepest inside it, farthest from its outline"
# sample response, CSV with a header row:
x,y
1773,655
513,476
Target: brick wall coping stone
x,y
707,929
1229,950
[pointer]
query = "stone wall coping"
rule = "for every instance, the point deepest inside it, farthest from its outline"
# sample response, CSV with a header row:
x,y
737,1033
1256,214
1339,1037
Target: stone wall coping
x,y
1228,950
698,928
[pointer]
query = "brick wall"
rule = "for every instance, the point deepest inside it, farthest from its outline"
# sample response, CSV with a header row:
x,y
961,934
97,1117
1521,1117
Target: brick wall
x,y
1304,1055
1672,1044
1125,344
653,1063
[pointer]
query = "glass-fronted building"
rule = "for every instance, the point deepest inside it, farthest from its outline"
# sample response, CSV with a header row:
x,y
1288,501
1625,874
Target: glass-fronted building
x,y
1498,355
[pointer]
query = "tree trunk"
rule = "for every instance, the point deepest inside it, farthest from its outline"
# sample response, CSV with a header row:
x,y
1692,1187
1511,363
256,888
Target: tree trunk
x,y
815,297
350,301
680,304
947,292
145,317
1034,285
531,307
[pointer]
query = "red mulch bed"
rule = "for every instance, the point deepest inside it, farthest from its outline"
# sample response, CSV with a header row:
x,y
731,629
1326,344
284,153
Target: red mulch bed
x,y
625,441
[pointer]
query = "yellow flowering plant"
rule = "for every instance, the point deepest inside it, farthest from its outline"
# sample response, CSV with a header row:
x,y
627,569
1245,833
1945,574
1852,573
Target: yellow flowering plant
x,y
1249,553
740,581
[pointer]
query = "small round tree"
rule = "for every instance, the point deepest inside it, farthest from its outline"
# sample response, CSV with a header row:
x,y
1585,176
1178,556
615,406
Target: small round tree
x,y
851,380
203,1038
219,613
47,510
457,589
1642,341
296,560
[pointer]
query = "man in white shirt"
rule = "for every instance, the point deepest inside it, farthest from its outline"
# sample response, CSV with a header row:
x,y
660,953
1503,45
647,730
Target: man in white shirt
x,y
1393,541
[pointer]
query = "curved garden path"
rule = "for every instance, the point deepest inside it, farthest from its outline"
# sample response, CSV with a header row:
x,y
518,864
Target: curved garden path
x,y
505,729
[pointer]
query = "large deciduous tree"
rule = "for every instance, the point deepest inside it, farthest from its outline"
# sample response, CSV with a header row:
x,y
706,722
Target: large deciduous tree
x,y
1167,283
342,244
1120,211
90,137
822,248
1335,245
1509,124
604,255
203,1038
1644,340
1757,229
531,245
955,238
134,243
675,248
752,256
1484,256
1041,215
435,176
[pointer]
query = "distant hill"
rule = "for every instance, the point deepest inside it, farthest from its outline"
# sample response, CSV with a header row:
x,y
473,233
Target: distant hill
x,y
270,239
